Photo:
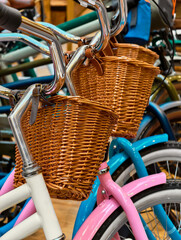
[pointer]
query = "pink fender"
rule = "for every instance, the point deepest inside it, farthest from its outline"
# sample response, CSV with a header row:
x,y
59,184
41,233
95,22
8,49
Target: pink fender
x,y
108,206
144,183
96,219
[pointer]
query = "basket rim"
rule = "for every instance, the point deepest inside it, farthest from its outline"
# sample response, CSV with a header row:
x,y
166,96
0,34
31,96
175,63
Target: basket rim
x,y
136,46
81,100
129,60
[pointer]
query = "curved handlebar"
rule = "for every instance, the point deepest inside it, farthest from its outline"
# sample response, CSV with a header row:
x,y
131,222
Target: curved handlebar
x,y
120,16
47,34
56,51
61,33
25,39
103,19
11,19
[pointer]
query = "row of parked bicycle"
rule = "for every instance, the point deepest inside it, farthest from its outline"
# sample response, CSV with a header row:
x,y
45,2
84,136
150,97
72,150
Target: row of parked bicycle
x,y
104,127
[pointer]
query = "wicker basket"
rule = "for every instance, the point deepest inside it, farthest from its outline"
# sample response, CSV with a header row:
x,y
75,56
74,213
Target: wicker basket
x,y
135,51
125,87
68,140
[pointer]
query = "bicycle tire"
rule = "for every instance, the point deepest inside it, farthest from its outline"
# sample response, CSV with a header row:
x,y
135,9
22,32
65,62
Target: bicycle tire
x,y
169,193
165,155
163,95
154,128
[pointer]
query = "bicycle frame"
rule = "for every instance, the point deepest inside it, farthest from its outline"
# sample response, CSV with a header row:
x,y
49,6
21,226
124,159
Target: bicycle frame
x,y
169,86
137,234
105,209
116,160
132,151
36,188
114,163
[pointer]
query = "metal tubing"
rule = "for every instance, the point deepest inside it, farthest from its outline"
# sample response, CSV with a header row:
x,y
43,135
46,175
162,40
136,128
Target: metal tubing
x,y
38,46
44,207
14,118
142,172
121,14
61,33
77,58
169,86
125,202
25,66
14,197
27,51
103,20
4,90
56,51
24,229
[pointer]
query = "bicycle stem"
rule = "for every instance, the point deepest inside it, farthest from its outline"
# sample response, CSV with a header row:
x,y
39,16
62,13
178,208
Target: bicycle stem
x,y
29,166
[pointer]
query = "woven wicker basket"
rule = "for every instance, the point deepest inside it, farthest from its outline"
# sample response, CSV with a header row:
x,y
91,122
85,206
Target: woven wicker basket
x,y
135,51
68,140
125,87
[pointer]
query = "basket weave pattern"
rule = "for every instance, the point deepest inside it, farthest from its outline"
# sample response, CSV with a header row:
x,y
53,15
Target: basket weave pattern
x,y
68,141
135,51
125,87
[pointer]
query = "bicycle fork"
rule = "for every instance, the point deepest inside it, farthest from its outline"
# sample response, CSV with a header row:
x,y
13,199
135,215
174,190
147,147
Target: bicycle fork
x,y
109,188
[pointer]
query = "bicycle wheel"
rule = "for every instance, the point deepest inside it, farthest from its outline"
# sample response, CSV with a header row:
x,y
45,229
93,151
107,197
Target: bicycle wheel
x,y
164,157
169,195
163,95
154,128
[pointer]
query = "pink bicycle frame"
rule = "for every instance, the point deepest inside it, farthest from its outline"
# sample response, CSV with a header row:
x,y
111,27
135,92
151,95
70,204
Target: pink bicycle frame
x,y
106,205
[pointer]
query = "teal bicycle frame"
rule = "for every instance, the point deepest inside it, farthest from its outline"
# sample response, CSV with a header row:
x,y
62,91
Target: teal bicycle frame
x,y
130,151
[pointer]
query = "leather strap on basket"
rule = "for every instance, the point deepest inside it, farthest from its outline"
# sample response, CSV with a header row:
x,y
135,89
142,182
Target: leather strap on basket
x,y
36,98
108,50
94,59
35,104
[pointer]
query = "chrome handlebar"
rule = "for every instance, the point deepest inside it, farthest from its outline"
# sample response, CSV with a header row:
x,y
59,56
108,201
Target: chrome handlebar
x,y
55,48
121,14
61,33
56,51
25,39
120,17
